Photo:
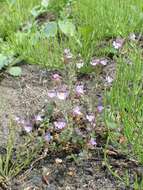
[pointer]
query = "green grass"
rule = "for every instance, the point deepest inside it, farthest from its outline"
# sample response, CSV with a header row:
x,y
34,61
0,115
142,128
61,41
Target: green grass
x,y
98,20
17,157
125,117
14,15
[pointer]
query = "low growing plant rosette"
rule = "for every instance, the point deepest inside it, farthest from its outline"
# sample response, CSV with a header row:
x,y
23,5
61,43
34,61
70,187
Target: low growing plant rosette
x,y
73,119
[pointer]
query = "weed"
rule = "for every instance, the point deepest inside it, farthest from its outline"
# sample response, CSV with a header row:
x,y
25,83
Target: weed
x,y
16,158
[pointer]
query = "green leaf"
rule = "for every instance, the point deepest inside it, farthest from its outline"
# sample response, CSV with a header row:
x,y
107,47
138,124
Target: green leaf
x,y
67,27
3,61
15,71
51,29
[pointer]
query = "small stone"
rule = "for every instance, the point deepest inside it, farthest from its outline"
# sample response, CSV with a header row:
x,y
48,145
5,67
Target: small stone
x,y
58,161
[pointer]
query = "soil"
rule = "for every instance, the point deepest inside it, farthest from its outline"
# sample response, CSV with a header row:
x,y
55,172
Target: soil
x,y
22,97
26,96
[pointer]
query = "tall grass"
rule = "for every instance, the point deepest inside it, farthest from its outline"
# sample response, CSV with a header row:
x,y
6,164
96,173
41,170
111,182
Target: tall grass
x,y
97,20
14,14
125,116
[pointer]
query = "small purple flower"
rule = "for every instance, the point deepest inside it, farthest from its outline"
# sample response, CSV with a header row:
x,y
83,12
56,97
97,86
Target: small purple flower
x,y
38,118
56,77
79,89
103,61
118,43
52,93
28,127
62,95
76,111
60,124
19,120
95,62
100,108
90,117
47,137
92,142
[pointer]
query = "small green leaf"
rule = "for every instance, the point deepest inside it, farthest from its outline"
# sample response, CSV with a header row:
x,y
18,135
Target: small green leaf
x,y
3,61
67,27
50,29
15,71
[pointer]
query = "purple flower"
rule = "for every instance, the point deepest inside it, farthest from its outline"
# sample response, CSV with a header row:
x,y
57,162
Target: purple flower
x,y
28,127
47,137
38,118
79,89
52,93
92,142
90,117
95,62
76,111
62,95
100,108
56,77
19,120
103,61
60,124
118,43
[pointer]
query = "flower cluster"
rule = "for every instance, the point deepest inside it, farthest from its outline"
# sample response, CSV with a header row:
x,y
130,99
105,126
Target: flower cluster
x,y
69,112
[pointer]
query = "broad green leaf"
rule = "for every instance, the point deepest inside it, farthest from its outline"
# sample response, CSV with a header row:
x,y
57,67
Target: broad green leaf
x,y
3,61
15,71
50,29
67,27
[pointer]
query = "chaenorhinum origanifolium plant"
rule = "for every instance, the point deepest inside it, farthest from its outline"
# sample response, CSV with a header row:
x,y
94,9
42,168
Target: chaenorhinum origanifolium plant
x,y
70,118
